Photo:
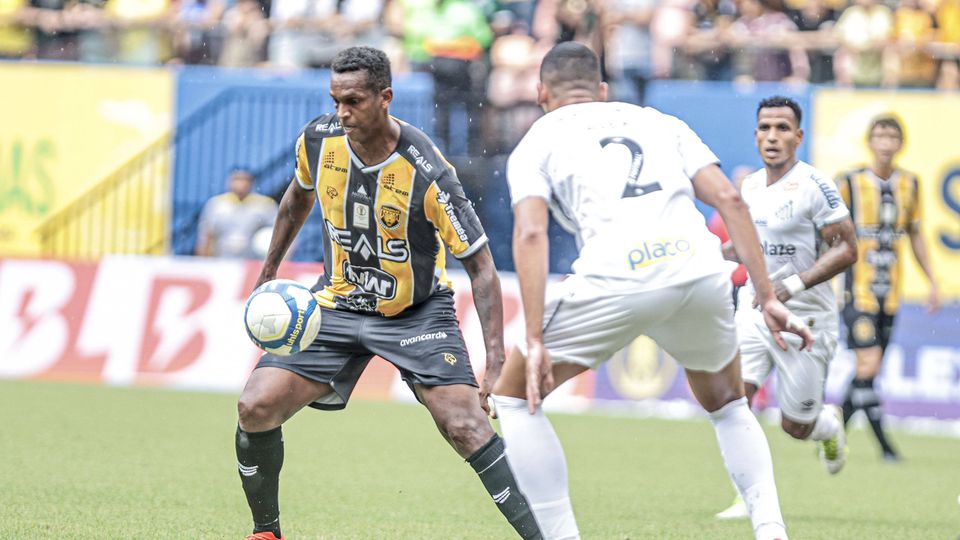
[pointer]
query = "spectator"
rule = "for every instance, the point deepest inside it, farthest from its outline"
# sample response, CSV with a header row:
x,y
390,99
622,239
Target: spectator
x,y
309,33
53,39
815,19
771,50
864,30
707,50
670,28
245,32
230,221
908,62
195,40
14,37
947,45
141,34
626,30
456,40
512,86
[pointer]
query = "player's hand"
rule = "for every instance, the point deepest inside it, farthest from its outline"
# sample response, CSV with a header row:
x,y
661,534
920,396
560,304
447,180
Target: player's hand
x,y
539,375
933,300
490,376
780,319
781,291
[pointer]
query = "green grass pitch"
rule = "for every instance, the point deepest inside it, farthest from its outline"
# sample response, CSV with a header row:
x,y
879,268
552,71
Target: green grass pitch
x,y
82,462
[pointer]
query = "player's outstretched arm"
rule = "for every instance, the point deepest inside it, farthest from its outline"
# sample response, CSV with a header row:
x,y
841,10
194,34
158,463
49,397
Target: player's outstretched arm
x,y
712,187
841,253
531,253
295,207
488,300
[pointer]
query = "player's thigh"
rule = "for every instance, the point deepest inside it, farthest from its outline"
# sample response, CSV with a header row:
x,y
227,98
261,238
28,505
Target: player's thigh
x,y
585,322
335,359
272,395
700,332
424,343
513,377
802,376
756,360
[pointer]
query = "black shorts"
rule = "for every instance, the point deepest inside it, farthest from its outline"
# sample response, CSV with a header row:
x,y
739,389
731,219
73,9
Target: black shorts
x,y
867,329
424,342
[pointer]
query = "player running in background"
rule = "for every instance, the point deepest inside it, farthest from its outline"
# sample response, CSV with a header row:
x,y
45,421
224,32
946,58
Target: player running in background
x,y
884,201
388,199
623,179
807,239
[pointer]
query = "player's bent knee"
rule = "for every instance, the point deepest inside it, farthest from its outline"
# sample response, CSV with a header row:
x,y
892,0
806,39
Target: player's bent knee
x,y
256,414
467,433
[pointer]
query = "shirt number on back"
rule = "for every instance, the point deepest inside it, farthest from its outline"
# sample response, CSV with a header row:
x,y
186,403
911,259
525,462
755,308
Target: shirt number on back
x,y
633,187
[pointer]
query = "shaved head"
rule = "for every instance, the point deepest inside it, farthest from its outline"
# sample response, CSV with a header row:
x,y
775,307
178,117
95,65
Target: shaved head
x,y
570,65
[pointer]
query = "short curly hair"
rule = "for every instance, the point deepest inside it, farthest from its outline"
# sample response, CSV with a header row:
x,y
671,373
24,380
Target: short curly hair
x,y
775,102
373,61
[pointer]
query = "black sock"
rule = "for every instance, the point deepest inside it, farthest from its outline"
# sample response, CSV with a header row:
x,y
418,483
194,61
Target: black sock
x,y
849,409
259,459
490,463
865,397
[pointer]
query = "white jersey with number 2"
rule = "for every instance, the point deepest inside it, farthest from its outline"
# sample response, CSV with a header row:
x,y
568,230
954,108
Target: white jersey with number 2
x,y
618,176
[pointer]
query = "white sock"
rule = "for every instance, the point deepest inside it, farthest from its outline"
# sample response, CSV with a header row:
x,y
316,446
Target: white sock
x,y
537,461
746,455
826,427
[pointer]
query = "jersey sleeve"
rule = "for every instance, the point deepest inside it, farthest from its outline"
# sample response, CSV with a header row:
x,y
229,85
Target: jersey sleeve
x,y
526,171
826,205
302,169
694,153
451,212
843,186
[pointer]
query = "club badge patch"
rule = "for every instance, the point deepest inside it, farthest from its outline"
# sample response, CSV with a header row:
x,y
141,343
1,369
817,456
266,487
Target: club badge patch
x,y
390,217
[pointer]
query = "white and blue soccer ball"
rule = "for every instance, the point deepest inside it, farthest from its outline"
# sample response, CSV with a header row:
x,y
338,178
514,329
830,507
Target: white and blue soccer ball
x,y
282,317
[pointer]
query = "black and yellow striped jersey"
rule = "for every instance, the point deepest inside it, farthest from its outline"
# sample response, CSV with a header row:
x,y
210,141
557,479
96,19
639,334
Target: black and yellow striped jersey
x,y
883,210
384,224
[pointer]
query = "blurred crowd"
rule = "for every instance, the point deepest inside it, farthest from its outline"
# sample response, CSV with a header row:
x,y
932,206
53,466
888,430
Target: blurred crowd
x,y
485,53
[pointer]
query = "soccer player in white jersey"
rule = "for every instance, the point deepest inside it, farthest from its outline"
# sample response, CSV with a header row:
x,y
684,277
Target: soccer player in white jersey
x,y
623,178
807,238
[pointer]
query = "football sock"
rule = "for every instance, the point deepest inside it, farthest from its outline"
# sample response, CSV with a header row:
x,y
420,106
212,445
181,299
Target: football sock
x,y
259,459
864,396
826,427
746,455
490,463
537,459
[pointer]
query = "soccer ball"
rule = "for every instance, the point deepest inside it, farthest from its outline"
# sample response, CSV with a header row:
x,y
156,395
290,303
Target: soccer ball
x,y
282,317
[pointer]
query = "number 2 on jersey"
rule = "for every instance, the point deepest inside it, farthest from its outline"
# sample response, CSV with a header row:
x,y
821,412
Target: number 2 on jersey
x,y
632,189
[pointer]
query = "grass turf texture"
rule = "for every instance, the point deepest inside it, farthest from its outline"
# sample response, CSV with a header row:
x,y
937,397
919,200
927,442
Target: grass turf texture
x,y
82,461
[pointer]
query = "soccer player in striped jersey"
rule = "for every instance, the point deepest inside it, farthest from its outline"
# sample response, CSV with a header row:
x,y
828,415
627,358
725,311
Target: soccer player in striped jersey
x,y
884,201
390,204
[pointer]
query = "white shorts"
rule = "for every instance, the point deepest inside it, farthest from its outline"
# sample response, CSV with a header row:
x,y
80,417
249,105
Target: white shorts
x,y
801,375
586,323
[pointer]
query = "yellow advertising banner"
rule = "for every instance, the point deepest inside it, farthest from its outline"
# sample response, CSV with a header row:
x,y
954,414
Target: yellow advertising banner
x,y
840,122
63,129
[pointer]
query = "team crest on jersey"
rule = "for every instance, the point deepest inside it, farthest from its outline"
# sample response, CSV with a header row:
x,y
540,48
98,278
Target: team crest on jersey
x,y
332,192
390,217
